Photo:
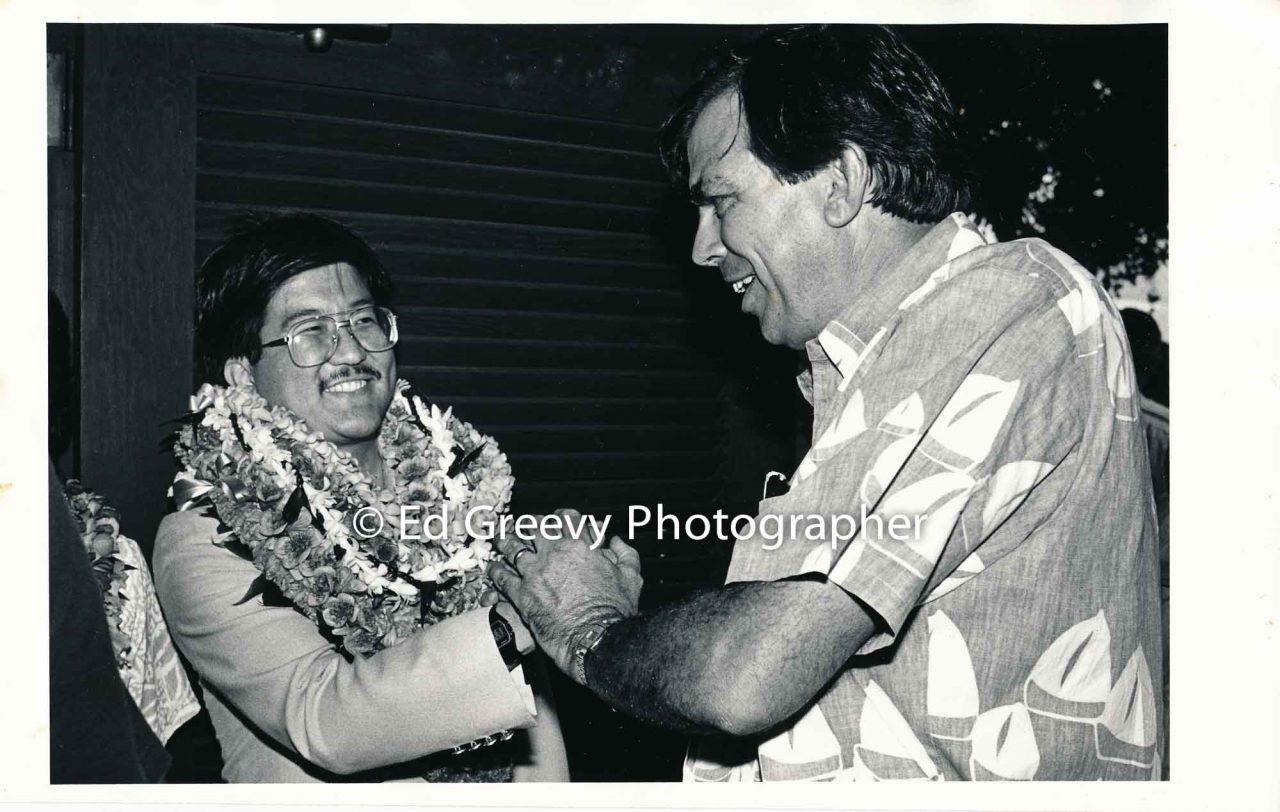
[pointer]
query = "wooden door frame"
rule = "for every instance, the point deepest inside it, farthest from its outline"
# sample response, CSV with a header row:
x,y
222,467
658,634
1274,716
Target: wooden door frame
x,y
136,280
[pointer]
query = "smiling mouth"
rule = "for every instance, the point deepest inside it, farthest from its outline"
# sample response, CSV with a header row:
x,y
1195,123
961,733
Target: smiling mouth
x,y
740,287
347,387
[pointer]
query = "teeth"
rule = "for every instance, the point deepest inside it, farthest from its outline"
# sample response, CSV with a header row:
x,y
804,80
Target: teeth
x,y
741,285
348,386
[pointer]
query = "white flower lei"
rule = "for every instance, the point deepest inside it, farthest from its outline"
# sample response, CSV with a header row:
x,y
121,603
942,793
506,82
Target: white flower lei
x,y
288,499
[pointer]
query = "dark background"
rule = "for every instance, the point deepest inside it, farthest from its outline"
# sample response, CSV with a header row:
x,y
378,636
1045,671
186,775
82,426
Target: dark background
x,y
508,175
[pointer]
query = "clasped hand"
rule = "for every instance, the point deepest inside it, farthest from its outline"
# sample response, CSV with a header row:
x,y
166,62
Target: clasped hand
x,y
562,587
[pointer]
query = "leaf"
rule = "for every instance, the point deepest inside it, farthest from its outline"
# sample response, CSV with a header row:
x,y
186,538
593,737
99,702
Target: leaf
x,y
256,588
270,592
411,397
951,688
883,729
1130,713
1077,666
297,500
974,416
193,418
235,426
272,595
460,465
1004,743
168,441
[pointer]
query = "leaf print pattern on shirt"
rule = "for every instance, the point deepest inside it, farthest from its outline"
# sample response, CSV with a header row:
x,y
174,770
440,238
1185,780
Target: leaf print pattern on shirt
x,y
1004,745
888,748
1119,369
851,422
969,567
951,692
1007,488
1072,678
1127,729
904,421
932,505
808,751
968,425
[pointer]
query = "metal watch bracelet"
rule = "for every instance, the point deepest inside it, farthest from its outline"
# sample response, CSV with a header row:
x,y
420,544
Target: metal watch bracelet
x,y
587,643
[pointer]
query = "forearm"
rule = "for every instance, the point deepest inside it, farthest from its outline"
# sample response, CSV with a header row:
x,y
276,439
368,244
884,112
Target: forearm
x,y
738,659
445,686
442,687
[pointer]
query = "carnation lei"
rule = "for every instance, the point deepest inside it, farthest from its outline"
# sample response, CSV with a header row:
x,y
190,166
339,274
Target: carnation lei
x,y
287,500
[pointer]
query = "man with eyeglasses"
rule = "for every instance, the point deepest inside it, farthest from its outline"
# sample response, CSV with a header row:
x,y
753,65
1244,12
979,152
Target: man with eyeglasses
x,y
295,306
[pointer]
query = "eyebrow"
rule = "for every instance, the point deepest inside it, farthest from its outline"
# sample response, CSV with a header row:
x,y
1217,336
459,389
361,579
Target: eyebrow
x,y
705,189
295,316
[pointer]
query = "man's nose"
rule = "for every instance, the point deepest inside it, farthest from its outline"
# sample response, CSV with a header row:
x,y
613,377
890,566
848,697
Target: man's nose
x,y
707,248
348,350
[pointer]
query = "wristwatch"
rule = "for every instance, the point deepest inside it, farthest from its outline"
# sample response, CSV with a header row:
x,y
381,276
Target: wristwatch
x,y
587,642
505,638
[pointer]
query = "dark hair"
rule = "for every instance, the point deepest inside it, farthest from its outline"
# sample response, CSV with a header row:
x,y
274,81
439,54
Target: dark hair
x,y
810,92
261,253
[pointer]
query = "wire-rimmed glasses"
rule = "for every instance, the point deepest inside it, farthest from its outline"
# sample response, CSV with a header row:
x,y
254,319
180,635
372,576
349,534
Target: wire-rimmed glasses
x,y
313,341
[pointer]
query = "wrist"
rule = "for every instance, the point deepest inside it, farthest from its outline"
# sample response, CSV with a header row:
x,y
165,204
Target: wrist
x,y
504,637
586,638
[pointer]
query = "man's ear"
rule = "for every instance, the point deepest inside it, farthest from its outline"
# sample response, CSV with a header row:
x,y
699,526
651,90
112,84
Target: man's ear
x,y
238,371
849,183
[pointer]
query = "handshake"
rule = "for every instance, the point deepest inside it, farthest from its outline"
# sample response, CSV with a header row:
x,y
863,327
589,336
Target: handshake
x,y
567,590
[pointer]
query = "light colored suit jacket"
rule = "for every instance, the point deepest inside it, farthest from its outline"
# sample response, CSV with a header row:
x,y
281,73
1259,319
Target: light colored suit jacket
x,y
287,707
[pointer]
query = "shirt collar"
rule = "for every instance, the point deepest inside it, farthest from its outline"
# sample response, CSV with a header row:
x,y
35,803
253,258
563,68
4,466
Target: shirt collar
x,y
845,339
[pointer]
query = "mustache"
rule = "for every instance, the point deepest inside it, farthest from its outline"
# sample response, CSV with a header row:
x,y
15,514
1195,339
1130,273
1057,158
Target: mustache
x,y
347,373
732,267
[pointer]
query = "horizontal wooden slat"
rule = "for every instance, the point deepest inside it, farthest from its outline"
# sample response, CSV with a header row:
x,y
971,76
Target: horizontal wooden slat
x,y
407,263
252,190
542,296
496,411
436,233
425,142
217,157
603,467
287,97
571,438
492,262
584,494
458,321
536,352
552,382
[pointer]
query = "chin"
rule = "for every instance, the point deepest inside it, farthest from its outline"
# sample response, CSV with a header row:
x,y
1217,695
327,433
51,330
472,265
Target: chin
x,y
357,428
351,433
776,337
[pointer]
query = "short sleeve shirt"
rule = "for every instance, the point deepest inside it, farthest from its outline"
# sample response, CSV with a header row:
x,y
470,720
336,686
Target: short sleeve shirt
x,y
978,478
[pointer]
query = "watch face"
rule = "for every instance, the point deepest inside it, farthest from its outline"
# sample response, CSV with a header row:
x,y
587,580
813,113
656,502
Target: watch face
x,y
502,632
505,639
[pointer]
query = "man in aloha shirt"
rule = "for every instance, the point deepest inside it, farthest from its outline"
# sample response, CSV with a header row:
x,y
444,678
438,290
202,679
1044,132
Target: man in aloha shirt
x,y
984,393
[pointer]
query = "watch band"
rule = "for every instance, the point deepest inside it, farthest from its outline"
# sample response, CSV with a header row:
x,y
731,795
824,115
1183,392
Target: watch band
x,y
587,643
505,638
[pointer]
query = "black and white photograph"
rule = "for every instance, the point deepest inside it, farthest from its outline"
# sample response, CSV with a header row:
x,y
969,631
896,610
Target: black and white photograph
x,y
586,403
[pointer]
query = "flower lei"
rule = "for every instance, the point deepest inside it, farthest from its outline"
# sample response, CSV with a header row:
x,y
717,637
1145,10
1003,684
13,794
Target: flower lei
x,y
99,526
288,500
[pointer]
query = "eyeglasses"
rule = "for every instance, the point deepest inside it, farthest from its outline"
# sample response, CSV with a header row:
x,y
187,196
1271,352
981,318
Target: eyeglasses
x,y
313,341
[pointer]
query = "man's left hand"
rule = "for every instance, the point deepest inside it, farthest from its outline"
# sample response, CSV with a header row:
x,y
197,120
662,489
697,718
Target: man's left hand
x,y
562,587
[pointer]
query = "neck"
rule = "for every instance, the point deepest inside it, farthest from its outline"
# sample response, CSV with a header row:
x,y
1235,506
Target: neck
x,y
880,242
368,458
